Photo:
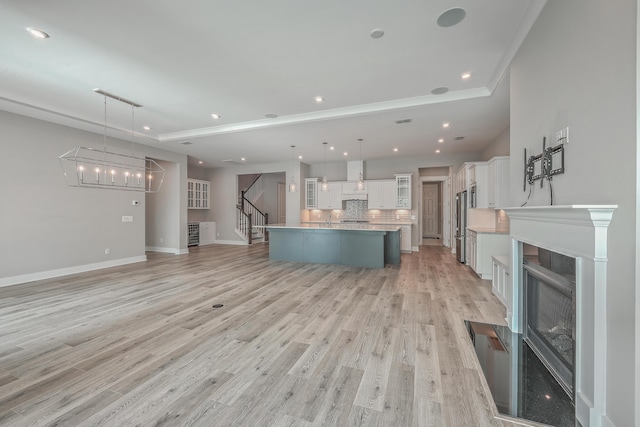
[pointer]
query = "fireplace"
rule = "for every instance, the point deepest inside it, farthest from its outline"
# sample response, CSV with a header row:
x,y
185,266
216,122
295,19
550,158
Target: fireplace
x,y
549,293
580,233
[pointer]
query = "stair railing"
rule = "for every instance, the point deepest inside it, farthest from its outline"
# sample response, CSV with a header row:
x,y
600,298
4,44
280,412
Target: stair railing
x,y
251,221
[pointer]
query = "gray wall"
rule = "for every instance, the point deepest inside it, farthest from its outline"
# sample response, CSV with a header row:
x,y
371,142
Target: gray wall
x,y
577,68
498,147
49,228
162,212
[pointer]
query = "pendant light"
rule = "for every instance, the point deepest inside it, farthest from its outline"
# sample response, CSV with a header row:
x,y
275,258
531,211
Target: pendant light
x,y
95,168
292,184
360,182
325,185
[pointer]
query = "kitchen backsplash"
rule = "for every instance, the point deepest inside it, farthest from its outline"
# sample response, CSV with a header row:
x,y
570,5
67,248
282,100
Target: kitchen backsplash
x,y
356,210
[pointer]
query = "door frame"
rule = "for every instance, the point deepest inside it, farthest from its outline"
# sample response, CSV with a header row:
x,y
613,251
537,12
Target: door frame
x,y
445,216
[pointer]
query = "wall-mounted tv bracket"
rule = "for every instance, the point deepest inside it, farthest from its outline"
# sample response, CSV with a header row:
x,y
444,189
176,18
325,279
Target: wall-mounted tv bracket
x,y
540,167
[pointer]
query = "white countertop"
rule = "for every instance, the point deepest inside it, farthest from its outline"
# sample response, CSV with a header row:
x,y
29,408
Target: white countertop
x,y
487,230
338,226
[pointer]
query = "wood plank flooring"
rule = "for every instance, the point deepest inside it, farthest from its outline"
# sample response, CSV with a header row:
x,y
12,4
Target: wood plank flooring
x,y
294,345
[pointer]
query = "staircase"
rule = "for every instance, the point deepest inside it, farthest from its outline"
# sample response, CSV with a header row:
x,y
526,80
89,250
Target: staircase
x,y
250,221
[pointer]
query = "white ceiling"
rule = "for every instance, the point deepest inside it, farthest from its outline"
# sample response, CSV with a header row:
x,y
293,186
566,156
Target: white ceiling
x,y
243,59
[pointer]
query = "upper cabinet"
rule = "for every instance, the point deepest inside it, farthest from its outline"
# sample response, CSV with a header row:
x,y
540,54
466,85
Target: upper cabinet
x,y
403,191
311,193
498,182
331,199
198,193
382,194
478,194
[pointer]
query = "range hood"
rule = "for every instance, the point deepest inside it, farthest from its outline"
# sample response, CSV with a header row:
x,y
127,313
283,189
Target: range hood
x,y
354,167
354,196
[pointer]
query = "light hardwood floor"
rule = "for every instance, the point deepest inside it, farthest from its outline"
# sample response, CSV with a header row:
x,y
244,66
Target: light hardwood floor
x,y
294,345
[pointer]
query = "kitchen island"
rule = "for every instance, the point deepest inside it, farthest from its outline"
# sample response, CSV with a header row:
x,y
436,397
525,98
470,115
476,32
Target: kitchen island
x,y
357,245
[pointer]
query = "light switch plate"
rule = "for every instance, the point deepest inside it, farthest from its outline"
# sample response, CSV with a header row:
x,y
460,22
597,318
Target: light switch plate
x,y
127,218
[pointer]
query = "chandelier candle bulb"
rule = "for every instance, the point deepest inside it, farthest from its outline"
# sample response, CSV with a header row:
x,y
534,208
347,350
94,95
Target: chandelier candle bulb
x,y
81,169
97,174
113,176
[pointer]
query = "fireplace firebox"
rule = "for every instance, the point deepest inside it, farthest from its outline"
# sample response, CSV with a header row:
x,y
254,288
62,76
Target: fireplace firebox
x,y
550,313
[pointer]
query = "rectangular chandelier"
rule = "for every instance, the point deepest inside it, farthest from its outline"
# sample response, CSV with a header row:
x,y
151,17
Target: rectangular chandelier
x,y
93,168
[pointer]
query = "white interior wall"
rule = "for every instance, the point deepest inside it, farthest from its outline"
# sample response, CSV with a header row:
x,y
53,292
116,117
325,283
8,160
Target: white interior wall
x,y
577,68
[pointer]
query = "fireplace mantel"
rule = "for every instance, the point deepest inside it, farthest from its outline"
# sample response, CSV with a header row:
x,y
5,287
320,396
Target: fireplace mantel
x,y
578,231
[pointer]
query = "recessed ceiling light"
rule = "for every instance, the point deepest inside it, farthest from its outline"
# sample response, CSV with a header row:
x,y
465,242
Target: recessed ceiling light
x,y
271,115
440,90
146,127
376,33
395,150
445,125
441,140
345,153
451,17
242,158
437,151
332,148
465,76
300,157
39,34
459,138
216,116
199,162
318,99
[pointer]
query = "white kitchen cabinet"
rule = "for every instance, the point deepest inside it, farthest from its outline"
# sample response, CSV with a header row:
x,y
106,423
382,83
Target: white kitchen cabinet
x,y
482,247
331,199
198,193
501,281
471,246
403,191
479,188
498,182
381,194
311,193
405,238
207,233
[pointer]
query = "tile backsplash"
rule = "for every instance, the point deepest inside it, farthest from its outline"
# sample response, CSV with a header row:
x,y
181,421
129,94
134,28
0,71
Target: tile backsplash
x,y
356,210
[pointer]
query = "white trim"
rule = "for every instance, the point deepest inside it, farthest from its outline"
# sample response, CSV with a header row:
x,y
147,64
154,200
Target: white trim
x,y
446,219
49,274
231,242
165,250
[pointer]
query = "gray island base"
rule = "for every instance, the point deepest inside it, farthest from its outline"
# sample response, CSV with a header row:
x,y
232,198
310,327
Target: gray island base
x,y
371,246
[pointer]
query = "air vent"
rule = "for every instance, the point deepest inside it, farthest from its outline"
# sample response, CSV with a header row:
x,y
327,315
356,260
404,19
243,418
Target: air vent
x,y
186,143
233,162
401,121
459,138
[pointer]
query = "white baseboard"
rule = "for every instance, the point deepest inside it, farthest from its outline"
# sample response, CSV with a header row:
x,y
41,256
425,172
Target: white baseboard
x,y
231,242
49,274
165,250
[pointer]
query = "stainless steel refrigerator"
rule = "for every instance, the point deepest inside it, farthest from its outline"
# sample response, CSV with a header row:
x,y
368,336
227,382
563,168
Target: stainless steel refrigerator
x,y
461,225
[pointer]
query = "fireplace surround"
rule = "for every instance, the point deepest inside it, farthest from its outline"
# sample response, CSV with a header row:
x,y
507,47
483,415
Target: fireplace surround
x,y
578,232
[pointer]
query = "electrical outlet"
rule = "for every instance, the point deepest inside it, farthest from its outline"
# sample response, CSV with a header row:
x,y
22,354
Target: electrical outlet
x,y
127,218
107,251
161,240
